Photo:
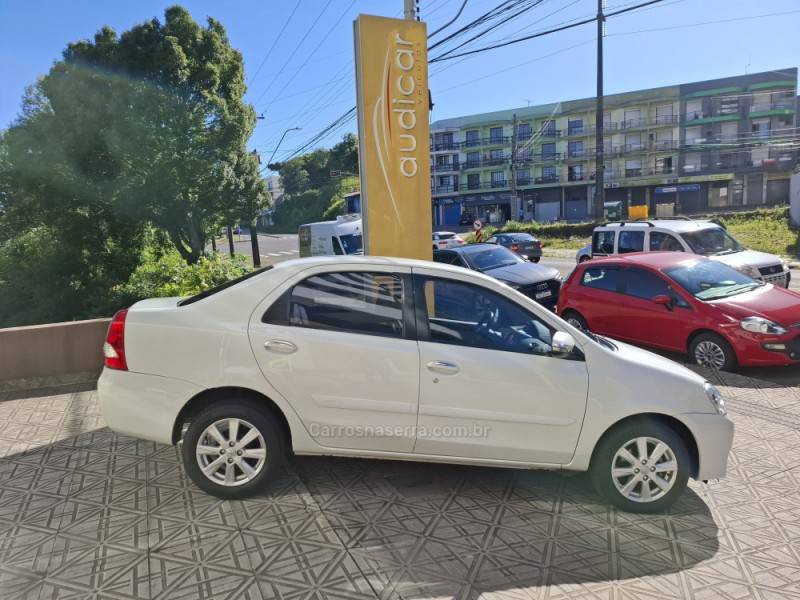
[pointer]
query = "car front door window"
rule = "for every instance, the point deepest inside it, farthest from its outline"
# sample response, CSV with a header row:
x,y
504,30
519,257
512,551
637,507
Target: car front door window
x,y
469,315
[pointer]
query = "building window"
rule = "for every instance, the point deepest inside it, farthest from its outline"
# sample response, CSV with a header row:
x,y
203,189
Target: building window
x,y
664,139
633,142
523,176
759,155
633,118
496,135
496,156
527,154
693,135
729,132
576,173
728,106
694,109
473,181
473,159
548,151
498,178
524,131
664,165
691,161
760,128
473,137
549,128
664,114
575,126
633,168
549,174
761,102
575,149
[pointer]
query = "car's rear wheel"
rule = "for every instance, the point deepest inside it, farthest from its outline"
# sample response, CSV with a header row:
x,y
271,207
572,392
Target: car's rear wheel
x,y
713,352
584,258
536,259
576,320
641,466
232,449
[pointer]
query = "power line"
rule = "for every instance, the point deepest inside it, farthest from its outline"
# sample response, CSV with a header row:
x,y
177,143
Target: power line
x,y
313,52
292,54
715,22
275,42
541,33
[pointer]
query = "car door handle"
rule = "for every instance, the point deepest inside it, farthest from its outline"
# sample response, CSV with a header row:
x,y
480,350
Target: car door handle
x,y
445,368
280,346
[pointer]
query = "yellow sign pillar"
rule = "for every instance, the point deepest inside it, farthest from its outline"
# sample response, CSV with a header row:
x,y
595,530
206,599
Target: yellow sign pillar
x,y
393,136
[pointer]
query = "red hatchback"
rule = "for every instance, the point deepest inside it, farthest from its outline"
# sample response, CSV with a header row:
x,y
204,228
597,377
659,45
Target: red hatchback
x,y
672,301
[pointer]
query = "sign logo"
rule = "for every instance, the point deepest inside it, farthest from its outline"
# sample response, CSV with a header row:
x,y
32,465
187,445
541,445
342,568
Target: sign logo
x,y
392,91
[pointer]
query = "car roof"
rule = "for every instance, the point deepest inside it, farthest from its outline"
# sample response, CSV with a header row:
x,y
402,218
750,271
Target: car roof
x,y
471,248
445,232
654,260
674,225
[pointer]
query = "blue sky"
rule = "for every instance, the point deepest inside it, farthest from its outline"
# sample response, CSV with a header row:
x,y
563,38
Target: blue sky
x,y
309,82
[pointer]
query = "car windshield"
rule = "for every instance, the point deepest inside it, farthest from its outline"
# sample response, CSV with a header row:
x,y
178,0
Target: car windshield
x,y
446,236
351,242
712,241
487,259
711,280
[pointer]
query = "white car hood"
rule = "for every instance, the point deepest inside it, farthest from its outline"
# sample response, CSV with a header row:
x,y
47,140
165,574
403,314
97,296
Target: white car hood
x,y
656,361
747,257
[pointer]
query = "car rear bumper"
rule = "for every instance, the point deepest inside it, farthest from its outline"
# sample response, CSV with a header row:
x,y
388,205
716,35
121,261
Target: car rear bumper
x,y
143,406
713,435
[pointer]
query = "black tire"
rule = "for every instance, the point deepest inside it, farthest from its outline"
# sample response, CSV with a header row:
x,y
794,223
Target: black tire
x,y
604,460
707,345
536,259
584,258
575,319
274,442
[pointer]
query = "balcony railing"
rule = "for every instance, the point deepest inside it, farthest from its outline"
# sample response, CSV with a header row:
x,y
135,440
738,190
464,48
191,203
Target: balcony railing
x,y
524,181
484,185
547,179
446,167
767,106
443,146
444,189
576,177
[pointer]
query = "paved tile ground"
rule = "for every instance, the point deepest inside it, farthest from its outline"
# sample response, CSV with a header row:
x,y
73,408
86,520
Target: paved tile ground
x,y
85,513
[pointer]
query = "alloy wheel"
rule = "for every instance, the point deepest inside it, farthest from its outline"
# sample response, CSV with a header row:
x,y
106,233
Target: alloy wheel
x,y
576,323
644,469
709,354
231,452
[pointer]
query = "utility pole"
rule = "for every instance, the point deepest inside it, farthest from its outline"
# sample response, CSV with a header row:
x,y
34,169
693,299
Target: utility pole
x,y
229,231
409,9
599,169
515,206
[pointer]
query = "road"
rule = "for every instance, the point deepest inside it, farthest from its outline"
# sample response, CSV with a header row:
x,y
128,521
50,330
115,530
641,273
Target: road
x,y
273,248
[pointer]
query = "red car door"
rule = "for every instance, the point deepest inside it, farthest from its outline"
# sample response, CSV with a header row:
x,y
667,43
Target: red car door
x,y
642,320
595,296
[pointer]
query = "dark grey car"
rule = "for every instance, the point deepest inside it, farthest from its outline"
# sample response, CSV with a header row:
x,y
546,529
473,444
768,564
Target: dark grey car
x,y
538,282
523,244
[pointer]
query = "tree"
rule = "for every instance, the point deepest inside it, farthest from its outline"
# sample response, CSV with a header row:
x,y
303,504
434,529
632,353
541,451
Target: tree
x,y
143,127
344,155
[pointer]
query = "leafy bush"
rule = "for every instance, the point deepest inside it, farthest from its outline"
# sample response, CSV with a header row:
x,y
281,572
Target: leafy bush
x,y
169,275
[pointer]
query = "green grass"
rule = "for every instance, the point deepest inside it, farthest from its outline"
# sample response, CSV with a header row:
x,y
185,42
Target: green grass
x,y
767,230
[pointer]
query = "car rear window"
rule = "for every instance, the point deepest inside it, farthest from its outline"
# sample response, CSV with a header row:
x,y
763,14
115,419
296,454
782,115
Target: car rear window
x,y
446,236
224,286
522,237
601,278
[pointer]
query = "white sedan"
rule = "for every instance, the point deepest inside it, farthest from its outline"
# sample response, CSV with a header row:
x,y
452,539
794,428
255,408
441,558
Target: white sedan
x,y
446,239
402,359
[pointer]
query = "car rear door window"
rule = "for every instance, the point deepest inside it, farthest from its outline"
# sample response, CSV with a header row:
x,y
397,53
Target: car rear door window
x,y
469,315
664,242
354,302
601,278
630,241
447,258
603,242
643,284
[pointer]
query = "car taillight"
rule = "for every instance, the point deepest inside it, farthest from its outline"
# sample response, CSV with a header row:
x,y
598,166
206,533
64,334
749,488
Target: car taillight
x,y
114,347
541,244
515,247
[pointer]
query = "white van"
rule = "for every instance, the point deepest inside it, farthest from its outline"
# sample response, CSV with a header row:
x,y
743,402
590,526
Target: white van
x,y
326,238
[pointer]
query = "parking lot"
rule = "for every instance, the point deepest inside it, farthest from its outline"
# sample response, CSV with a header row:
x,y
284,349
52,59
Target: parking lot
x,y
85,513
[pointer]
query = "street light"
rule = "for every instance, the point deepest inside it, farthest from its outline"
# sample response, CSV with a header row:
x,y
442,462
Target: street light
x,y
278,145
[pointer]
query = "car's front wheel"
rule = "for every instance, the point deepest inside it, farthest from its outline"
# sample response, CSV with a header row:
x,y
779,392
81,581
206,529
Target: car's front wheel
x,y
576,320
233,448
713,352
641,466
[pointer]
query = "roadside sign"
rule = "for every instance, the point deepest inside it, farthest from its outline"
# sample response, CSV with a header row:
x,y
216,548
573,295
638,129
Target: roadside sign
x,y
477,225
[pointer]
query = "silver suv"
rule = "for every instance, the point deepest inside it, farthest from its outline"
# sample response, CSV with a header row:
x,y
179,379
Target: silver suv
x,y
682,234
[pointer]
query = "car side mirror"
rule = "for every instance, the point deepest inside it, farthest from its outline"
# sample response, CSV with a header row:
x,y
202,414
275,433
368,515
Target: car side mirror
x,y
664,300
563,343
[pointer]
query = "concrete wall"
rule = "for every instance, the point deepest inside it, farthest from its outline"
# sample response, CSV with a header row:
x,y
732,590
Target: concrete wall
x,y
52,350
